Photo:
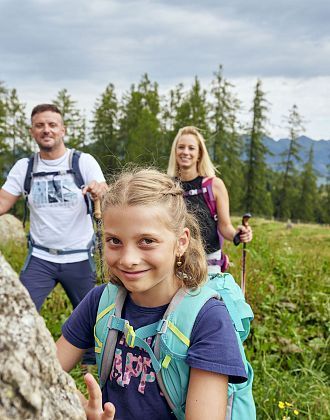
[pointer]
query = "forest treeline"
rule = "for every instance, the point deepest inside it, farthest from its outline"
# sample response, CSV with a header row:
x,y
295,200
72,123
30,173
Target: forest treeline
x,y
140,126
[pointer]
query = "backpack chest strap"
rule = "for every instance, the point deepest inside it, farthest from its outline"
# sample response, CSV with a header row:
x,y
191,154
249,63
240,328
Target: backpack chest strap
x,y
136,338
53,173
205,191
196,191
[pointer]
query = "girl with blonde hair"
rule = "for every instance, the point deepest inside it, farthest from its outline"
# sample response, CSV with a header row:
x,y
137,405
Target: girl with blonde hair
x,y
190,162
153,251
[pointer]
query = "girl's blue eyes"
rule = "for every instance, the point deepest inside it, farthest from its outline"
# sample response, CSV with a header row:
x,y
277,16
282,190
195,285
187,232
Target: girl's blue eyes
x,y
116,241
113,241
148,241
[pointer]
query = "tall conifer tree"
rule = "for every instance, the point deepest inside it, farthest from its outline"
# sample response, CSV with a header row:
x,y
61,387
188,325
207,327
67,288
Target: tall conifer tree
x,y
73,120
3,114
288,192
139,126
16,127
104,133
170,106
4,147
227,145
307,202
193,109
323,213
257,196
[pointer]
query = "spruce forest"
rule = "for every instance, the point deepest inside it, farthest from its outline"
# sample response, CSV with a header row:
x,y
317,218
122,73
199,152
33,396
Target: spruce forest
x,y
140,126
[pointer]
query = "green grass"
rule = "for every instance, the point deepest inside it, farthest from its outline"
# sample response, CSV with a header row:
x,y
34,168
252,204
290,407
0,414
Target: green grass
x,y
288,289
287,286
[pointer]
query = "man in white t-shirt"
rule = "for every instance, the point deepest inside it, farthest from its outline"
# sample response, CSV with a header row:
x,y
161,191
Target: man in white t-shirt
x,y
61,230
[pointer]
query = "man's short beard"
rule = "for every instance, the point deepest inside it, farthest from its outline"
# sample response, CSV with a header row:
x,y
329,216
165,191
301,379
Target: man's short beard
x,y
51,148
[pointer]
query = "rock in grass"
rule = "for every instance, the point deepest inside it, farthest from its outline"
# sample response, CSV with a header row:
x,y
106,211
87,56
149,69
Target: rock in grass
x,y
11,229
32,382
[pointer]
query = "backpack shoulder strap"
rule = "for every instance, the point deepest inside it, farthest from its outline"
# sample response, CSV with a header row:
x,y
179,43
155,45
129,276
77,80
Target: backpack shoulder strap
x,y
111,303
74,165
212,205
209,197
78,178
29,171
32,163
109,323
171,345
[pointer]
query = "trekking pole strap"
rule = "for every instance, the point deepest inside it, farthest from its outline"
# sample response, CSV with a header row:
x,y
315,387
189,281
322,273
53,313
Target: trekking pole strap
x,y
237,239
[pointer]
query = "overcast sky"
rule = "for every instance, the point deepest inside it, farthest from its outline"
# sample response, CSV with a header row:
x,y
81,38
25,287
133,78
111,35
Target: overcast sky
x,y
82,45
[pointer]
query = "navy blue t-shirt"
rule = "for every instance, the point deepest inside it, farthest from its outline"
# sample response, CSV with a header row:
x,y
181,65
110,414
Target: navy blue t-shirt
x,y
132,386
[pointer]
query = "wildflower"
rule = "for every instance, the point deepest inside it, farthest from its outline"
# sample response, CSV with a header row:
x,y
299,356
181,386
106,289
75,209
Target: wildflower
x,y
281,405
288,404
295,412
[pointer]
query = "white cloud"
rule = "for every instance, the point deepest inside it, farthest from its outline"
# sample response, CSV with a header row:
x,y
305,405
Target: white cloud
x,y
83,45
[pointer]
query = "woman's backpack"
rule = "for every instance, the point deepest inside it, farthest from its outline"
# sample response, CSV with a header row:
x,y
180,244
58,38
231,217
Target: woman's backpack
x,y
211,203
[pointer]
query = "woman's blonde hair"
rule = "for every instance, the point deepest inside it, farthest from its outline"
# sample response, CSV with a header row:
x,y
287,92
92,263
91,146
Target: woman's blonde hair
x,y
147,187
204,165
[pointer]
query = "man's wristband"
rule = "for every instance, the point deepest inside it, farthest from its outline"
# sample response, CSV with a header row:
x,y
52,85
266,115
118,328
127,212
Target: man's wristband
x,y
237,239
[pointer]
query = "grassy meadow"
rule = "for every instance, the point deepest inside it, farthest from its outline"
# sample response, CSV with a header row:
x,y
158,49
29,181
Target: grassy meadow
x,y
288,288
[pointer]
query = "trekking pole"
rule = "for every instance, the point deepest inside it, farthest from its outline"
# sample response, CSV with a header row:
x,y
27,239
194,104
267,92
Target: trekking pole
x,y
245,222
99,238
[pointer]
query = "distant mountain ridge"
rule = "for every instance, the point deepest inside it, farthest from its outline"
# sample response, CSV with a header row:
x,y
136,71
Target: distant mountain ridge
x,y
321,154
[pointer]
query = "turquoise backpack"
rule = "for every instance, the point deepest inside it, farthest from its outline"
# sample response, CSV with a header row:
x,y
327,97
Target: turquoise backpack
x,y
171,343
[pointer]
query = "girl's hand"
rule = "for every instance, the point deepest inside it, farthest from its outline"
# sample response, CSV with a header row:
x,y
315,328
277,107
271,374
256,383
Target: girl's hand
x,y
245,233
93,406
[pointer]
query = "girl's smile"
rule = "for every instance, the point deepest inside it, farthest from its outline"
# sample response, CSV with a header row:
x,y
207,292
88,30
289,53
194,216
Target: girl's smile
x,y
133,275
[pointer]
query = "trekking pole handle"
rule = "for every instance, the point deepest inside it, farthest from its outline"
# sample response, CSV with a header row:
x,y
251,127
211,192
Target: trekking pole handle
x,y
245,223
245,219
97,209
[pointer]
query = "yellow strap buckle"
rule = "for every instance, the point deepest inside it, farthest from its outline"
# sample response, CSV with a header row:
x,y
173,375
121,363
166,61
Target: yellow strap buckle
x,y
166,361
129,335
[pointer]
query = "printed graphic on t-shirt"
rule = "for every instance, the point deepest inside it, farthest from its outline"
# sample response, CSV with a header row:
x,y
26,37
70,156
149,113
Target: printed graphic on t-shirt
x,y
127,365
54,192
